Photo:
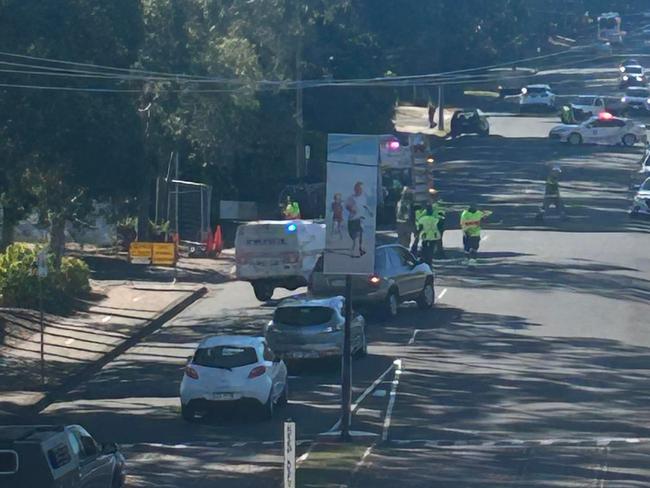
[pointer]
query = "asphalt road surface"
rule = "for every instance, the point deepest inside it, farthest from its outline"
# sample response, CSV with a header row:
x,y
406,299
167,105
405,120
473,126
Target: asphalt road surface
x,y
532,370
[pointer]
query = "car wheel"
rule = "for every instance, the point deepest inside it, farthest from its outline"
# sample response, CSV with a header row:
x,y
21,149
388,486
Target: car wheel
x,y
391,304
629,140
575,139
188,412
268,408
426,298
263,291
284,397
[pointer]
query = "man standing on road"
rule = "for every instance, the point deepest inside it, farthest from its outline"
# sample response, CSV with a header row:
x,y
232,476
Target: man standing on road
x,y
440,212
404,217
429,234
552,192
291,210
470,223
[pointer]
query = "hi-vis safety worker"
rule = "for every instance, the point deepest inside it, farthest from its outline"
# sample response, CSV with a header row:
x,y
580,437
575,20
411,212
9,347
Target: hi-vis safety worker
x,y
291,210
429,234
470,223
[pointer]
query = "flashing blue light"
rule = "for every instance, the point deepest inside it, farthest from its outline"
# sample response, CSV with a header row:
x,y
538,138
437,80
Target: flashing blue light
x,y
292,227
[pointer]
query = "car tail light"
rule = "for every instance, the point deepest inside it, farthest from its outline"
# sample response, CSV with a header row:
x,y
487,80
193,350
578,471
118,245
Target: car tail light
x,y
191,372
257,371
374,280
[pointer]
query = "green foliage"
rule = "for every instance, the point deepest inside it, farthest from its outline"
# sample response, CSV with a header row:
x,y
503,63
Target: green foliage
x,y
20,286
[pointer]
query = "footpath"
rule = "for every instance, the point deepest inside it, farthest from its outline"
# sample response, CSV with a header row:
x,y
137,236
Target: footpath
x,y
116,316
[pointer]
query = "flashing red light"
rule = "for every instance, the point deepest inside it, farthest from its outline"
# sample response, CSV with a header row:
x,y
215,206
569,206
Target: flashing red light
x,y
605,116
392,145
374,280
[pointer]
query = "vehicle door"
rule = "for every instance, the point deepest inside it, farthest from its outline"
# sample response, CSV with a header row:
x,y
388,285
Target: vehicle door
x,y
596,131
95,468
403,263
277,370
610,131
599,106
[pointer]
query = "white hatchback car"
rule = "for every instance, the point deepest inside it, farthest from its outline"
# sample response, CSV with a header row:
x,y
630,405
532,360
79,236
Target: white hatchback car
x,y
233,368
537,96
641,204
604,129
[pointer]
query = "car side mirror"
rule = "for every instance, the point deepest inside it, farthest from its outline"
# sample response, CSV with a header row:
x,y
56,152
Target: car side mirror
x,y
189,360
636,187
109,448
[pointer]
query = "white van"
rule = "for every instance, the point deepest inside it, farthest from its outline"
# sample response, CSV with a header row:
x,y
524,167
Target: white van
x,y
271,254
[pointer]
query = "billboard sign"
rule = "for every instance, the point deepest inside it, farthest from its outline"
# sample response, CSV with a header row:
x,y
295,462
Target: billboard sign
x,y
351,203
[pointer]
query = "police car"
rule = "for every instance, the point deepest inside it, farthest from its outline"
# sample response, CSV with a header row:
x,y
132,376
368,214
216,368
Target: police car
x,y
641,204
603,129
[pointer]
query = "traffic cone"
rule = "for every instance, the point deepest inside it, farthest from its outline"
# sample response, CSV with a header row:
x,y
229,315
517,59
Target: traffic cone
x,y
218,241
209,245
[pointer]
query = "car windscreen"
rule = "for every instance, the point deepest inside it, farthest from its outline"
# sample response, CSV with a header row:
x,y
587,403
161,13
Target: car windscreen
x,y
301,316
646,185
634,70
585,100
641,93
225,356
536,90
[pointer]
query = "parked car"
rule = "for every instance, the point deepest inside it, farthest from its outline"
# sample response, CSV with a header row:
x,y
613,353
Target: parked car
x,y
604,129
57,456
636,99
314,328
398,276
469,121
641,203
231,368
536,96
633,75
587,105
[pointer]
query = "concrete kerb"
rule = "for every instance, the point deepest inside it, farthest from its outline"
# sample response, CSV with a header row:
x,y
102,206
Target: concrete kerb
x,y
154,324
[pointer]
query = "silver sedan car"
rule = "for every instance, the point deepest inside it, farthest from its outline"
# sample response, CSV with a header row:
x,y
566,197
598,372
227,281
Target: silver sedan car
x,y
398,277
313,328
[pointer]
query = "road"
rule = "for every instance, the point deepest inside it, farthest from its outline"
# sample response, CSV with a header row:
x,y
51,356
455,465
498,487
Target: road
x,y
532,370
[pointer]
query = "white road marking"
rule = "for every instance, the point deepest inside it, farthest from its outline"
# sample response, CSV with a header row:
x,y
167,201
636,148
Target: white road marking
x,y
442,293
510,443
69,341
107,318
363,396
415,333
391,401
379,393
137,299
485,237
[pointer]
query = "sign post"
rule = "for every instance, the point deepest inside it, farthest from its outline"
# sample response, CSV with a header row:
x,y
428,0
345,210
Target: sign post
x,y
289,455
352,193
42,272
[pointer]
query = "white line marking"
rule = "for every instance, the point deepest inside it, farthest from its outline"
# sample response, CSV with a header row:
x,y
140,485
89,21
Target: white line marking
x,y
379,393
69,341
363,396
107,318
413,336
391,401
137,299
442,293
485,238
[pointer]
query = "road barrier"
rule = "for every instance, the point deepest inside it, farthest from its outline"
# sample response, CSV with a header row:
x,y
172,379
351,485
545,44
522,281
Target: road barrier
x,y
153,253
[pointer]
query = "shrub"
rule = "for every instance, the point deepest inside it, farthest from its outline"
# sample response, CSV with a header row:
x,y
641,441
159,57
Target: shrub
x,y
20,286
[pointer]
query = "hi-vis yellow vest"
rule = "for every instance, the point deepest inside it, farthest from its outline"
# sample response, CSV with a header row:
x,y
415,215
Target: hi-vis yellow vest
x,y
429,226
470,222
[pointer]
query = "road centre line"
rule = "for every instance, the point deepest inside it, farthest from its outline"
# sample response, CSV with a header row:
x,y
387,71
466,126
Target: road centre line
x,y
519,443
363,395
391,401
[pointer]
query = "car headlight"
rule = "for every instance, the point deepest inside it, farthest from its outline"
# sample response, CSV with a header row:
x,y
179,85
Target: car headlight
x,y
625,78
638,199
624,99
622,68
639,78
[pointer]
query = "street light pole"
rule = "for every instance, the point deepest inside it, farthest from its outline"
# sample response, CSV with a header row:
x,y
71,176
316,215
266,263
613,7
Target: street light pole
x,y
346,367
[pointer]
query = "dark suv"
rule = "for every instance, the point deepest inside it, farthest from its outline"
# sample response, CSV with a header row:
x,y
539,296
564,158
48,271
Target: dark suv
x,y
57,457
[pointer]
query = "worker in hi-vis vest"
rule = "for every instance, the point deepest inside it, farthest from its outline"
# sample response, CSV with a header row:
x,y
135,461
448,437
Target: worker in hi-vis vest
x,y
470,224
430,236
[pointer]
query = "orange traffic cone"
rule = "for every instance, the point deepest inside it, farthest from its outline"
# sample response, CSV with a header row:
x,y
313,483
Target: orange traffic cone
x,y
209,245
218,241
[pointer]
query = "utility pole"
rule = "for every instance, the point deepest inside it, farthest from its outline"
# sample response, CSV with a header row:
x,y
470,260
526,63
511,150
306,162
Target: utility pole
x,y
300,146
176,164
346,366
441,108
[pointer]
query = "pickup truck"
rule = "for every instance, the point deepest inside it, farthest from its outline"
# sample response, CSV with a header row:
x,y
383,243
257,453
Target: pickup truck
x,y
588,105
